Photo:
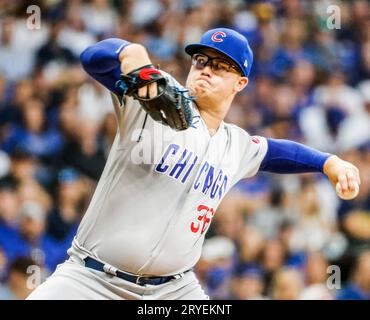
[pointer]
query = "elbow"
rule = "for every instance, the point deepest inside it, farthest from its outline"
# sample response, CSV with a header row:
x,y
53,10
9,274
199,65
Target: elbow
x,y
102,57
86,57
96,61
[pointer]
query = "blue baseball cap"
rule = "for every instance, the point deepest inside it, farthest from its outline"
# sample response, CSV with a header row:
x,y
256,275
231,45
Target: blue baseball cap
x,y
250,271
229,42
67,175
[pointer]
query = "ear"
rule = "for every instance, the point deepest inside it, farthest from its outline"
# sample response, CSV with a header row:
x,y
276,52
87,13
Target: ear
x,y
241,84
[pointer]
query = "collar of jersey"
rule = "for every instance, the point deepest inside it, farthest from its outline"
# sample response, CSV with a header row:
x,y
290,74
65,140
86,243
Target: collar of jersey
x,y
197,113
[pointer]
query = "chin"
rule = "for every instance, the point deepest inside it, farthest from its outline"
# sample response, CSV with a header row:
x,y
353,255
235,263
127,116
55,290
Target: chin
x,y
200,94
194,90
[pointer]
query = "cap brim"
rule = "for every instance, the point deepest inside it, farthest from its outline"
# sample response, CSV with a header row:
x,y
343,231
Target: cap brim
x,y
195,47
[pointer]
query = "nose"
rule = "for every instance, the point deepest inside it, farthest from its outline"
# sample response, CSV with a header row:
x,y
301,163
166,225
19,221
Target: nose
x,y
206,71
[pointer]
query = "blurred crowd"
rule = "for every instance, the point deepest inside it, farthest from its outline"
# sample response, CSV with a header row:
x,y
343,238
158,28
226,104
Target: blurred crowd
x,y
273,236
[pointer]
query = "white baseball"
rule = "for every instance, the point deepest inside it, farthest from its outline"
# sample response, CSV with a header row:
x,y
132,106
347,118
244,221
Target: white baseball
x,y
348,195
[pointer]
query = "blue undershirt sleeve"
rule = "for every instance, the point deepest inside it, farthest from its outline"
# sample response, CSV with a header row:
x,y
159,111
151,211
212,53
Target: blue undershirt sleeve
x,y
284,156
101,61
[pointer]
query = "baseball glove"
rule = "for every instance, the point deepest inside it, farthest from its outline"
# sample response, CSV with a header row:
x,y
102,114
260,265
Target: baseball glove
x,y
171,106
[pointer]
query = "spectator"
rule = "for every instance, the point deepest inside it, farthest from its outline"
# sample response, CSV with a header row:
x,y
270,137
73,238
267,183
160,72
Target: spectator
x,y
333,103
99,18
94,103
31,190
31,239
291,49
17,41
18,284
84,152
287,284
216,264
65,217
250,243
53,56
228,220
24,166
316,278
359,286
314,228
9,204
268,220
73,35
247,283
11,112
272,259
34,136
354,216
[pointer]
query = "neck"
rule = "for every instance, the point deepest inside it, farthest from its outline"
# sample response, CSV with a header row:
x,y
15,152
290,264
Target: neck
x,y
213,116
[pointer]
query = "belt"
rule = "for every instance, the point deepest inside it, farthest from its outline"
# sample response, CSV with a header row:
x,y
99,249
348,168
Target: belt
x,y
140,280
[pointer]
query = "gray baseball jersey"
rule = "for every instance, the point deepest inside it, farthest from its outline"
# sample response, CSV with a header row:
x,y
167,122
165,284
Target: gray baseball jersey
x,y
160,188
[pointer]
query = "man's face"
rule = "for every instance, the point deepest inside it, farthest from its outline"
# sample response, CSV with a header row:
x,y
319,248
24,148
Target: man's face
x,y
217,80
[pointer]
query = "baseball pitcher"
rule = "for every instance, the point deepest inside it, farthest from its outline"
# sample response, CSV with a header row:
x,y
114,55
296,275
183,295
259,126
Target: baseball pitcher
x,y
172,162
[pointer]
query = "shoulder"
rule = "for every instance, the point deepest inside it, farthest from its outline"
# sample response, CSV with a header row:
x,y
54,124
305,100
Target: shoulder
x,y
238,132
244,139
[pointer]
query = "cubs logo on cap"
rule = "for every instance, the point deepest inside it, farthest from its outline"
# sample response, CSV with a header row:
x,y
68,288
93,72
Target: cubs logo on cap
x,y
229,42
218,35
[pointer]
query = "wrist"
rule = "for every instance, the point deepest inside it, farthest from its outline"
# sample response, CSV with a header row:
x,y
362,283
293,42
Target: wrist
x,y
329,164
133,57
